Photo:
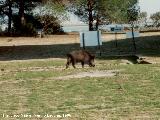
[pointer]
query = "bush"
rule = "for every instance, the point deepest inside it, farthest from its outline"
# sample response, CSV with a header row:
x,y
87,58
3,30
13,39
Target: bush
x,y
50,24
28,29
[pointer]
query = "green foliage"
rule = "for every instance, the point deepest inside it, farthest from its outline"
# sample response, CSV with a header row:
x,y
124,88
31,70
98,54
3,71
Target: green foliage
x,y
50,16
50,24
22,16
143,17
107,11
28,29
133,13
55,8
156,18
95,12
117,10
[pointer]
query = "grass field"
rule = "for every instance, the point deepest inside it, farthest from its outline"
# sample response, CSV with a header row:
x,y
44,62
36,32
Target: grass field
x,y
34,82
31,87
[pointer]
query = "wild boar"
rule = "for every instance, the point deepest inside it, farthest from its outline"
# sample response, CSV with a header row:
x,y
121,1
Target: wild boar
x,y
81,56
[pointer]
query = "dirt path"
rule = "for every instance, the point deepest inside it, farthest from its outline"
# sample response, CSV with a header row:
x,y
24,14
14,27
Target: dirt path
x,y
91,74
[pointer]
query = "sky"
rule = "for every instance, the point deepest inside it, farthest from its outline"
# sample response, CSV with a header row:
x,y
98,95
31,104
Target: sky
x,y
149,6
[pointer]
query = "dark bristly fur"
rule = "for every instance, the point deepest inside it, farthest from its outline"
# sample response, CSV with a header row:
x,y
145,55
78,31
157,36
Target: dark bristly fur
x,y
81,56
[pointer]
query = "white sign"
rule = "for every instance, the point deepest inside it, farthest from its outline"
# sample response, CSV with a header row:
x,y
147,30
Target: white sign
x,y
116,29
90,38
129,34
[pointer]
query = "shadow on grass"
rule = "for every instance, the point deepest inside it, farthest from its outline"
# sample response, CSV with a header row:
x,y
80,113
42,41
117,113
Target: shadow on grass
x,y
145,46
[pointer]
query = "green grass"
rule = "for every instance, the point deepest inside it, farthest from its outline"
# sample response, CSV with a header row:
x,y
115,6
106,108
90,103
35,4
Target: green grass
x,y
30,87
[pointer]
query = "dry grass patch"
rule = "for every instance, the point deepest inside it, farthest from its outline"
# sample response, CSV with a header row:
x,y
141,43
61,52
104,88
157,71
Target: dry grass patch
x,y
90,74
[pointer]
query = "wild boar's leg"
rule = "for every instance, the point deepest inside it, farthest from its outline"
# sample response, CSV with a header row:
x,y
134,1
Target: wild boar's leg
x,y
68,61
67,64
73,63
82,63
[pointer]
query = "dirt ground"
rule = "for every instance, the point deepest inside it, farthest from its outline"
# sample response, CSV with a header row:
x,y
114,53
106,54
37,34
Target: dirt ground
x,y
92,74
59,39
17,48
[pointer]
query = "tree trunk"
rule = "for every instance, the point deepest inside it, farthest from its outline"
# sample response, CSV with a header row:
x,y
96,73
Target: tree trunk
x,y
97,22
134,42
21,12
9,17
90,15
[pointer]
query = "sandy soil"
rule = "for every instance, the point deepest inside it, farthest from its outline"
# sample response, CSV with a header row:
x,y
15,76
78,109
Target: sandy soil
x,y
58,39
54,39
91,74
27,51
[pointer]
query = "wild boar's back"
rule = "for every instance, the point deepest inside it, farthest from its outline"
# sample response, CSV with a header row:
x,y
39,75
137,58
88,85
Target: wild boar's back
x,y
80,55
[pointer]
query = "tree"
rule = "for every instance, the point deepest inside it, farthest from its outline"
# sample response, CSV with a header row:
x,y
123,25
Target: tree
x,y
9,16
50,24
143,18
101,11
133,13
6,10
156,19
18,12
83,9
50,16
25,8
